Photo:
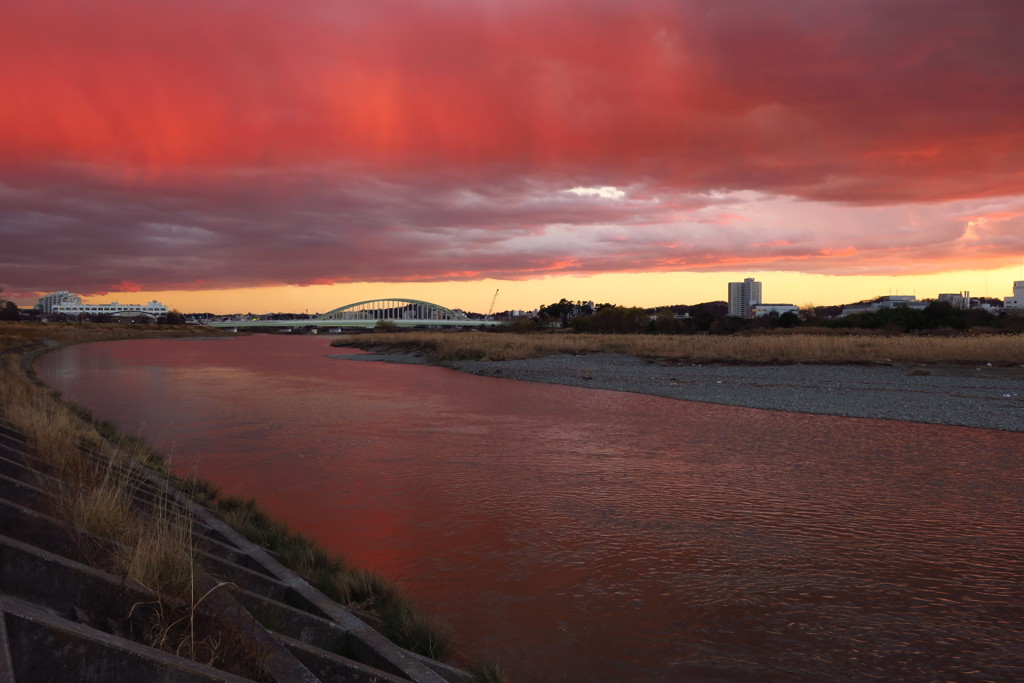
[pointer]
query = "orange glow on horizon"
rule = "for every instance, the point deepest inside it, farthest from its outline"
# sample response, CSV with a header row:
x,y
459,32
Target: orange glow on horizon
x,y
644,290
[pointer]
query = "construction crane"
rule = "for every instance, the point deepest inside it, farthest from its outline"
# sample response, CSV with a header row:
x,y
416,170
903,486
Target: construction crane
x,y
491,309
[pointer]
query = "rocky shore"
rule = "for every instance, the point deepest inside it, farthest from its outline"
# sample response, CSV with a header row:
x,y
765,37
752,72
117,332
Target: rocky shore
x,y
971,396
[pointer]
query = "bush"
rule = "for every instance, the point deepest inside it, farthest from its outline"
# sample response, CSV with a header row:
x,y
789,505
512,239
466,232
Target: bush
x,y
616,319
520,326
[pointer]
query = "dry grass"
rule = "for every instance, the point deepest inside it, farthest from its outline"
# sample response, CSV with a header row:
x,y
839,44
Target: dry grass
x,y
800,347
97,474
161,553
206,635
18,333
488,671
199,490
101,505
52,430
406,624
52,426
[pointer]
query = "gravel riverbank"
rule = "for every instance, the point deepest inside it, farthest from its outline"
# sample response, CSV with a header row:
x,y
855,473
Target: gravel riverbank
x,y
985,397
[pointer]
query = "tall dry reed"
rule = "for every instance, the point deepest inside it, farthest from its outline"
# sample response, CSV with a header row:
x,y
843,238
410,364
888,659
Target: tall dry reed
x,y
97,484
1005,349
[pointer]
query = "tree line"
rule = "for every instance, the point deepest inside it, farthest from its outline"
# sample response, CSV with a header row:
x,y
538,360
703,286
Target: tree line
x,y
8,309
711,318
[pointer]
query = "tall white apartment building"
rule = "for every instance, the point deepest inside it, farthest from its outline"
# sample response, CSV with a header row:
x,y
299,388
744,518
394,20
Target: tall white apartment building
x,y
743,295
1015,302
64,297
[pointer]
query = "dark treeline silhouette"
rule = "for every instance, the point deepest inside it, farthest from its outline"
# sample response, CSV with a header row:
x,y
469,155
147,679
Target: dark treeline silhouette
x,y
171,318
711,318
938,315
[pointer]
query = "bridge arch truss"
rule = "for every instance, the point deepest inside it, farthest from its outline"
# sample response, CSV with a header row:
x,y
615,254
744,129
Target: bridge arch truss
x,y
397,310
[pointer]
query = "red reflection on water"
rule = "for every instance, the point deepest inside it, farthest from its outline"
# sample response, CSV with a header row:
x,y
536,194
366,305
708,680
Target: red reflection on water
x,y
607,535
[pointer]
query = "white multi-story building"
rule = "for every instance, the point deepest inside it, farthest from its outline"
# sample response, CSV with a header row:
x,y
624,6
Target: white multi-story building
x,y
154,309
743,295
46,303
1015,302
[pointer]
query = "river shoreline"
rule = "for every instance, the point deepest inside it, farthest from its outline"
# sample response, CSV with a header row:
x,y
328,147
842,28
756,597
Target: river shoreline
x,y
983,397
139,590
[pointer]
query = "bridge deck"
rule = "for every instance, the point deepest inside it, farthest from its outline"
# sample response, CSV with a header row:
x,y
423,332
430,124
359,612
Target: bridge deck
x,y
314,322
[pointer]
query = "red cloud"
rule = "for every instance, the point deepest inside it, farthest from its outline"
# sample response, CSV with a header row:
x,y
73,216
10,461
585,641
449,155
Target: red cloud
x,y
329,140
840,100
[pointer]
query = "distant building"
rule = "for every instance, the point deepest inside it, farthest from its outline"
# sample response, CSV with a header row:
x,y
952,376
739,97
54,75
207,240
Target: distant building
x,y
960,300
759,310
964,302
1015,302
46,303
743,295
892,301
154,309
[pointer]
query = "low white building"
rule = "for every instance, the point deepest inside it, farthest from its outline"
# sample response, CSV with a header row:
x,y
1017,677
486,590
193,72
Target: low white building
x,y
1015,302
891,301
154,309
960,300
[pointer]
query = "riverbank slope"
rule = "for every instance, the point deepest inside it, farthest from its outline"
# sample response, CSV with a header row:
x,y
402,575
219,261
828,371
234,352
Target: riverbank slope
x,y
107,570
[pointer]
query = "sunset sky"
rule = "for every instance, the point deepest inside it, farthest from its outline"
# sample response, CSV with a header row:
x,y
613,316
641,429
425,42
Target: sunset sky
x,y
261,155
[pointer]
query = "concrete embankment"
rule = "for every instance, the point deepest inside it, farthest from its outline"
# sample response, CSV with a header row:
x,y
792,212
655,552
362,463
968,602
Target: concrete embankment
x,y
65,619
72,607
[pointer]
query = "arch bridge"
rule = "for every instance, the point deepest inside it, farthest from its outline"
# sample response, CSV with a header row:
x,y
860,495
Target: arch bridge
x,y
394,310
398,312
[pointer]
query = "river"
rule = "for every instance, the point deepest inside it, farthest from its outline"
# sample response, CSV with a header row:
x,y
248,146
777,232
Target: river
x,y
580,534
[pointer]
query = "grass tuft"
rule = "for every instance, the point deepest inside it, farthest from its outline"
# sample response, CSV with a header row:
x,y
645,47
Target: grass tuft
x,y
363,589
200,490
488,671
103,510
405,624
402,622
162,558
